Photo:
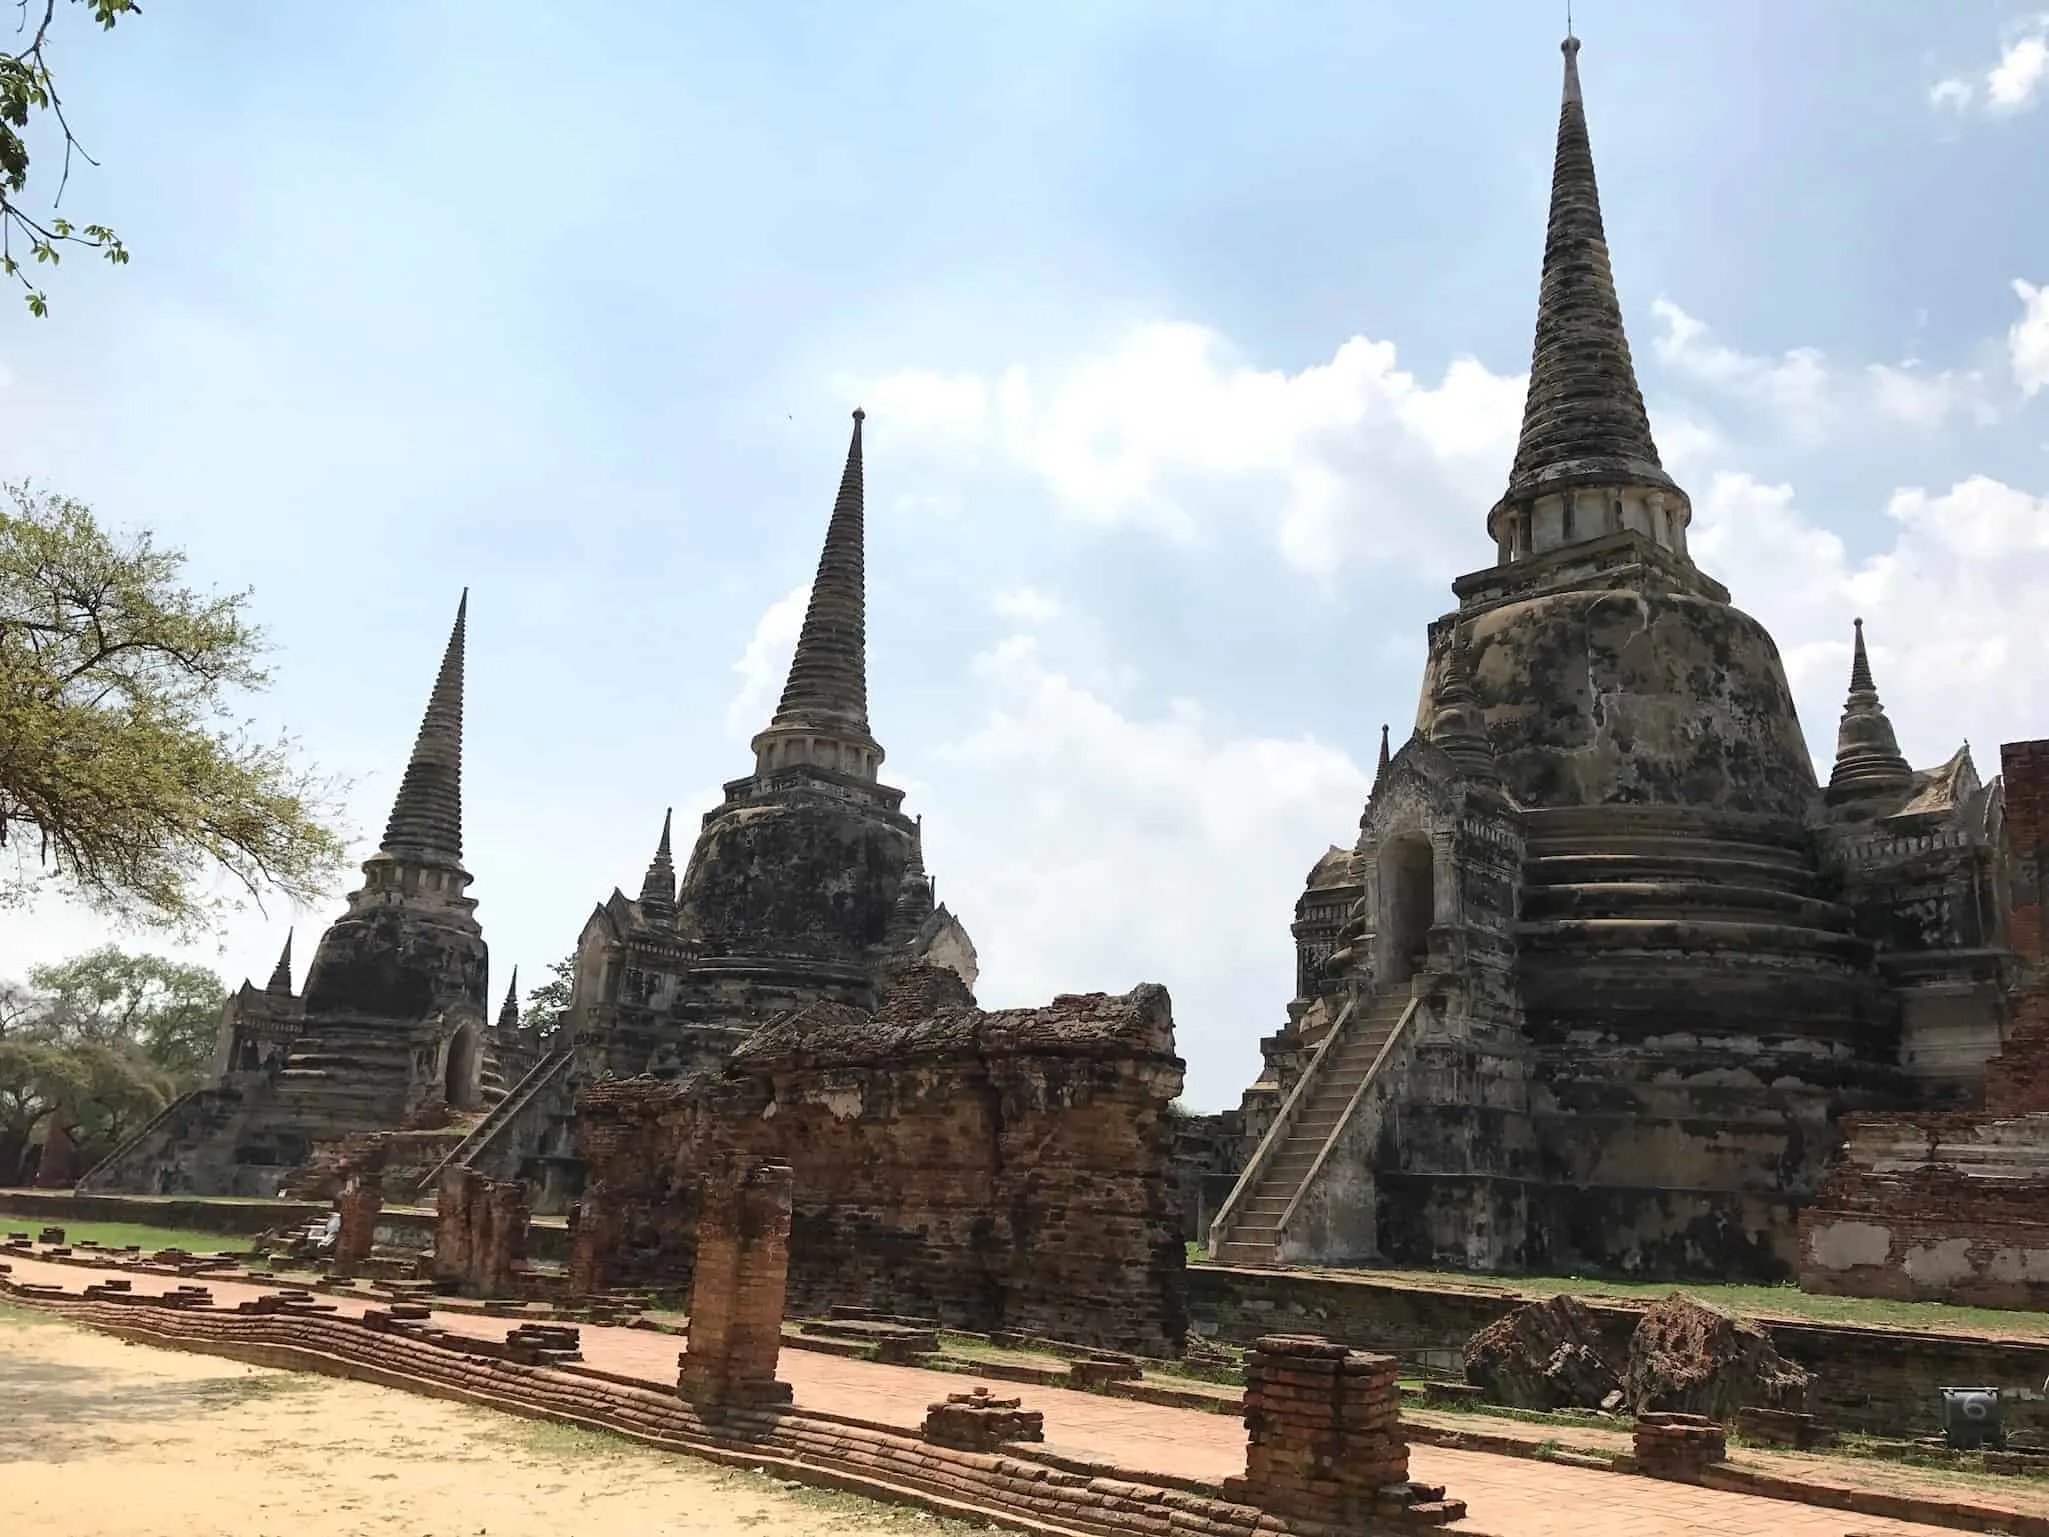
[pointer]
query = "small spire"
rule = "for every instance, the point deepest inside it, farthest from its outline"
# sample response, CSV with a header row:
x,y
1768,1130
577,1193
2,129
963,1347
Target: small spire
x,y
828,682
1380,768
1458,729
426,817
1868,760
658,888
281,974
508,1015
1584,422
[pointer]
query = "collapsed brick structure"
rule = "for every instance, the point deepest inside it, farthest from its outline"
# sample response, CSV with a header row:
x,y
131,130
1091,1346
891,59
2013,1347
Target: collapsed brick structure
x,y
739,1287
807,884
1953,1205
993,1170
359,1205
480,1233
1607,961
391,1029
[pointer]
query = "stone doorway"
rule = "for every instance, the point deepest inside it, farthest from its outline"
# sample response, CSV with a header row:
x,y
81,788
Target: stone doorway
x,y
465,1071
1408,895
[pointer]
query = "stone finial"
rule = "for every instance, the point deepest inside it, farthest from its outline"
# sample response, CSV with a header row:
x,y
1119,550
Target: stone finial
x,y
1380,768
1584,421
658,888
1868,760
1457,728
426,817
281,975
508,1014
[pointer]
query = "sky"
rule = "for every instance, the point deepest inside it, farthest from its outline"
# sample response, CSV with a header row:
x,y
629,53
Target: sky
x,y
1192,339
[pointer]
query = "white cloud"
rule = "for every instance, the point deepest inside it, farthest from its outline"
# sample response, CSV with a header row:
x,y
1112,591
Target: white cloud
x,y
1130,849
765,663
1027,606
1167,431
2027,343
2011,84
1801,390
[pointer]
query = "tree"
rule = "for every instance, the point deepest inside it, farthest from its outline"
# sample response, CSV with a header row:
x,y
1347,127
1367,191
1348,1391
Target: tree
x,y
115,754
27,88
548,1005
167,1012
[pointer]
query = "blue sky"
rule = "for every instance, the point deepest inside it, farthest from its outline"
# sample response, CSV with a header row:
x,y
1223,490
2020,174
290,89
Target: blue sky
x,y
1192,340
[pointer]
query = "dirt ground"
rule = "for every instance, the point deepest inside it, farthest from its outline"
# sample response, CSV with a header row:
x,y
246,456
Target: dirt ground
x,y
99,1438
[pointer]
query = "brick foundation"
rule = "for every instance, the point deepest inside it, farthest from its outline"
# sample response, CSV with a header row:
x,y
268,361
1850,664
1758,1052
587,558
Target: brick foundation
x,y
741,1283
1679,1446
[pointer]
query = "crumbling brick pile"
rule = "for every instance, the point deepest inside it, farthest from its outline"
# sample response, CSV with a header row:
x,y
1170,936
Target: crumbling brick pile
x,y
1687,1358
480,1233
977,1422
738,1293
988,1170
1678,1446
1327,1447
1548,1355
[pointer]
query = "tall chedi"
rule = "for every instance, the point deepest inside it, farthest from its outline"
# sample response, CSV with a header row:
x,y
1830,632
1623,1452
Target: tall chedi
x,y
1592,870
805,880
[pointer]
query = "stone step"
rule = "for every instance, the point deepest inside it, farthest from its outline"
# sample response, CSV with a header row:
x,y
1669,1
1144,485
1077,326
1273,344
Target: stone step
x,y
1695,938
1681,900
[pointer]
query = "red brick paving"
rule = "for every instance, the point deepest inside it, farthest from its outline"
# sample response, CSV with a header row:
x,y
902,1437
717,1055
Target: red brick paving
x,y
1505,1496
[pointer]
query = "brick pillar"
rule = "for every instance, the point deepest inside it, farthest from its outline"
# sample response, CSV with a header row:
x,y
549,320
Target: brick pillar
x,y
595,1230
498,1250
359,1204
459,1190
1326,1443
740,1284
2017,1080
2024,766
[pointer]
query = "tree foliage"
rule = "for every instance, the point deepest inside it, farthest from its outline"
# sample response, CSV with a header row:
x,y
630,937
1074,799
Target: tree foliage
x,y
28,90
98,1044
116,757
548,1005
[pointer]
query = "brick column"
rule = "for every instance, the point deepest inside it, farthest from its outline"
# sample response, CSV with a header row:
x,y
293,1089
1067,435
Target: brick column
x,y
739,1287
2017,1080
452,1224
595,1230
1326,1443
480,1232
359,1204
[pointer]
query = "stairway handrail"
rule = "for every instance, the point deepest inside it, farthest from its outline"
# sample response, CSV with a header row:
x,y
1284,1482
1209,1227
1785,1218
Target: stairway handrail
x,y
1262,1155
129,1143
1330,1142
506,1108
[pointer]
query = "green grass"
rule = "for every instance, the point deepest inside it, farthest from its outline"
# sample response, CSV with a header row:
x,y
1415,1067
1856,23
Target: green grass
x,y
1741,1301
117,1235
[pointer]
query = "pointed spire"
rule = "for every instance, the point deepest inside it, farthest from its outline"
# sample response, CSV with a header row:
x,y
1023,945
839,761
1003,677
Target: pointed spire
x,y
1583,419
829,675
508,1014
1868,760
658,888
281,974
426,818
1458,729
1380,768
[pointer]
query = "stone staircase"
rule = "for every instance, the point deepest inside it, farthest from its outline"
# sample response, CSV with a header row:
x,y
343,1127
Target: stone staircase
x,y
547,1076
1254,1234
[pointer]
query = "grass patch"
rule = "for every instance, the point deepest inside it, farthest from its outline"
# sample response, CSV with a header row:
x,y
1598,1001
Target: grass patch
x,y
1742,1301
118,1235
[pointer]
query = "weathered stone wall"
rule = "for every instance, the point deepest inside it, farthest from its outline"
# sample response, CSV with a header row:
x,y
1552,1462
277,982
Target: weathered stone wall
x,y
1000,1170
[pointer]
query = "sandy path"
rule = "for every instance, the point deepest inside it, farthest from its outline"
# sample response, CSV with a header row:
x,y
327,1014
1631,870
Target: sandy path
x,y
99,1438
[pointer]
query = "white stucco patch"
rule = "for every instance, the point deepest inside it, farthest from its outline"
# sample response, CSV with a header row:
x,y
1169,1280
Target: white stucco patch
x,y
1940,1264
1846,1245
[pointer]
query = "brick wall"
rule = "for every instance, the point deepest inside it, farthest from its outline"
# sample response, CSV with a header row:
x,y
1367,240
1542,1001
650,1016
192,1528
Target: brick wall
x,y
480,1232
1002,1170
2024,767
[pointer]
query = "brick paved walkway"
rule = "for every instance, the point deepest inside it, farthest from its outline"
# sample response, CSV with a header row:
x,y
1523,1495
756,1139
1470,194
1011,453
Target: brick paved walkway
x,y
1505,1496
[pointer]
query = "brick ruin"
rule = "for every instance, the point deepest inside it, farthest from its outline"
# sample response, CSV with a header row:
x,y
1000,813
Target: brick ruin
x,y
739,1287
1607,963
993,1170
1953,1205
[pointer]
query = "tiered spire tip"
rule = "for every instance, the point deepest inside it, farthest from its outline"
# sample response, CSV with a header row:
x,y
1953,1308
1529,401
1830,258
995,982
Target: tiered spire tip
x,y
1584,421
426,816
828,683
281,974
1868,759
658,887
